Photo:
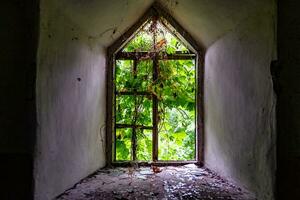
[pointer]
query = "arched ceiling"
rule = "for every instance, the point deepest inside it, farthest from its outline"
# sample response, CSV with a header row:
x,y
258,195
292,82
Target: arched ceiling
x,y
205,20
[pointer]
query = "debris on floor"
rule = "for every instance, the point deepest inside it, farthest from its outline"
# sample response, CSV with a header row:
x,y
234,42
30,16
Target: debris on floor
x,y
184,182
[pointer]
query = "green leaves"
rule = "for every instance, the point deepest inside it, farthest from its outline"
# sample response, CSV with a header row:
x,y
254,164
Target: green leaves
x,y
178,78
133,110
177,126
177,135
175,89
144,75
154,36
127,80
123,74
143,41
144,145
123,144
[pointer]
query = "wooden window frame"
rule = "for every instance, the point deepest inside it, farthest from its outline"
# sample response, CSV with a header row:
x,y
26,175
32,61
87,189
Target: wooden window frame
x,y
113,54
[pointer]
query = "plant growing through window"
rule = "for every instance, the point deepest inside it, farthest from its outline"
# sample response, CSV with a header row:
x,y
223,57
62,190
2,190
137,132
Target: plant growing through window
x,y
155,96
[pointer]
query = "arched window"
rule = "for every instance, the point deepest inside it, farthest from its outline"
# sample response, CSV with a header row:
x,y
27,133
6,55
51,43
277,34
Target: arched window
x,y
154,100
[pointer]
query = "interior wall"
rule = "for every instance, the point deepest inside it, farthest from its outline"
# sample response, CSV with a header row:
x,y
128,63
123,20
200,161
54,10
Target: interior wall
x,y
70,104
18,37
287,76
71,87
239,100
240,139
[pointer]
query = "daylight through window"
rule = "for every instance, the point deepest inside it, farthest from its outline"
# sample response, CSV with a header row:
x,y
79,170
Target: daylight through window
x,y
155,97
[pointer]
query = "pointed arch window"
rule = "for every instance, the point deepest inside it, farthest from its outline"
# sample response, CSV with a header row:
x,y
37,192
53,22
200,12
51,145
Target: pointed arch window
x,y
155,96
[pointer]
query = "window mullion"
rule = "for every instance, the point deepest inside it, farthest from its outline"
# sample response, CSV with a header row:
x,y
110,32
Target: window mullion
x,y
133,138
155,114
148,46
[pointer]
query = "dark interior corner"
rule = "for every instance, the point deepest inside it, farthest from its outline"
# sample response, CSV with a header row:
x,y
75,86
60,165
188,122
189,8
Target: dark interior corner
x,y
53,93
288,132
19,38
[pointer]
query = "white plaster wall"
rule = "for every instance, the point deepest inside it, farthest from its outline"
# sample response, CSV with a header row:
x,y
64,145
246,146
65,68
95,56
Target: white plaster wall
x,y
70,105
239,101
240,104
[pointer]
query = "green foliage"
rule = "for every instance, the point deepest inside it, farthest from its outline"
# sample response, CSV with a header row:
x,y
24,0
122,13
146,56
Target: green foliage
x,y
133,110
141,42
177,136
164,40
177,110
175,90
144,145
123,144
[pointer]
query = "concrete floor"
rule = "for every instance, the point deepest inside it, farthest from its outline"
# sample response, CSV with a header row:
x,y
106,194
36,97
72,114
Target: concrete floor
x,y
185,182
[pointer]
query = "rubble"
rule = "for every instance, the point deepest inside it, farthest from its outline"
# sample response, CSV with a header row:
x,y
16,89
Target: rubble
x,y
178,183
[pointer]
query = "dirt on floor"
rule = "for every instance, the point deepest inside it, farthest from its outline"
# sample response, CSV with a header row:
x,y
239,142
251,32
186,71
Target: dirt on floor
x,y
184,182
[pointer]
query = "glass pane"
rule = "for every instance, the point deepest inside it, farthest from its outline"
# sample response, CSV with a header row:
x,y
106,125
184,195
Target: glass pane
x,y
144,145
134,110
144,75
123,144
175,89
124,75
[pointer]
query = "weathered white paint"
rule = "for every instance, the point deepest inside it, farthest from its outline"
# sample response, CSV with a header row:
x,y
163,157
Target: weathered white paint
x,y
240,106
239,115
205,20
70,105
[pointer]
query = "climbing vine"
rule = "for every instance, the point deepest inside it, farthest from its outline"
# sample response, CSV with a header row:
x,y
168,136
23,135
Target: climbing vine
x,y
174,89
